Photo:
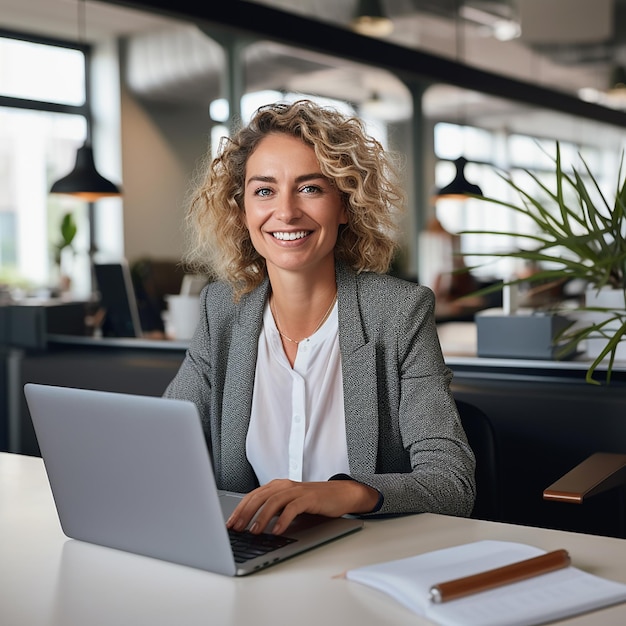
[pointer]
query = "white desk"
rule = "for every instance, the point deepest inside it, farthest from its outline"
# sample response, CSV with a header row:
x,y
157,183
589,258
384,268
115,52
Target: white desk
x,y
46,579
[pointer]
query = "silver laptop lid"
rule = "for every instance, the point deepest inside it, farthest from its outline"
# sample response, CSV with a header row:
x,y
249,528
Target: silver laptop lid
x,y
133,473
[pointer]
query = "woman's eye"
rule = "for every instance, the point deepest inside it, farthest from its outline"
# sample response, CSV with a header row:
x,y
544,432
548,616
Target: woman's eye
x,y
310,189
263,192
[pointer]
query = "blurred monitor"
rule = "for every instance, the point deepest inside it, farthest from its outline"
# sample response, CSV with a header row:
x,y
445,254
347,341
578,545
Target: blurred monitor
x,y
117,298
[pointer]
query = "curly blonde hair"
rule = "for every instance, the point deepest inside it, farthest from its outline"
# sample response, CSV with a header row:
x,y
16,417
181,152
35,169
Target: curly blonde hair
x,y
356,163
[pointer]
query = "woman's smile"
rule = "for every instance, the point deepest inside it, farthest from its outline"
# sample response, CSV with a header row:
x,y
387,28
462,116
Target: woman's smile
x,y
291,236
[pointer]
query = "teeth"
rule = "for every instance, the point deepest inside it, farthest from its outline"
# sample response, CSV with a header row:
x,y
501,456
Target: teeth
x,y
290,236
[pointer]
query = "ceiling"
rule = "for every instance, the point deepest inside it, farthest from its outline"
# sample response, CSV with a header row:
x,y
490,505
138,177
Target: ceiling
x,y
59,19
568,45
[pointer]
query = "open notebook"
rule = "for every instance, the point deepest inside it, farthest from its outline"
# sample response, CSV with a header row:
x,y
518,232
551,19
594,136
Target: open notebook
x,y
133,473
538,600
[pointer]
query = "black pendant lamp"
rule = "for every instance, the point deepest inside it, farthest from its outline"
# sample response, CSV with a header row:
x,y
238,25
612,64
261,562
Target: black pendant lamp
x,y
460,187
370,19
84,181
617,80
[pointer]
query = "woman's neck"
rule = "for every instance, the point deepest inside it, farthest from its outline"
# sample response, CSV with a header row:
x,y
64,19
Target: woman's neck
x,y
300,306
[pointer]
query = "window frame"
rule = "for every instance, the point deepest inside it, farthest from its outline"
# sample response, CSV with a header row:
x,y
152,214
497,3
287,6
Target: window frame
x,y
44,105
83,110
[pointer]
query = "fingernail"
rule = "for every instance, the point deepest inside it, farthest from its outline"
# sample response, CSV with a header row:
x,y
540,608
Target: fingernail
x,y
254,527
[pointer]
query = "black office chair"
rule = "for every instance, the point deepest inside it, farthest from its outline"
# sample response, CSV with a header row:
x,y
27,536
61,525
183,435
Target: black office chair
x,y
481,436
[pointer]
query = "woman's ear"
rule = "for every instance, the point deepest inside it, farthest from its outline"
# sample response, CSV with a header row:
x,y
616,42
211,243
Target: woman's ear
x,y
346,213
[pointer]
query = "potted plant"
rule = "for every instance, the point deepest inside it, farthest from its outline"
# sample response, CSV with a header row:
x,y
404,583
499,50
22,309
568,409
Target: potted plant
x,y
63,248
580,234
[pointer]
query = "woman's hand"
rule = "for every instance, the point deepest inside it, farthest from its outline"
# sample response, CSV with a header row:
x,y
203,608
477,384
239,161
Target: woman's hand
x,y
286,499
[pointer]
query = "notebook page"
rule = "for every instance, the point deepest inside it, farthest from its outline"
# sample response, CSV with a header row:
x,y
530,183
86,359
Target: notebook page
x,y
551,596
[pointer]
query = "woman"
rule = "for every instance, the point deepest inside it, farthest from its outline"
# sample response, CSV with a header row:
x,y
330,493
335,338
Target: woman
x,y
319,378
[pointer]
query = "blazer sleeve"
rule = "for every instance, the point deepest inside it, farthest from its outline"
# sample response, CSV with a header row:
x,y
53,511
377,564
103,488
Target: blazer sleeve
x,y
420,427
194,379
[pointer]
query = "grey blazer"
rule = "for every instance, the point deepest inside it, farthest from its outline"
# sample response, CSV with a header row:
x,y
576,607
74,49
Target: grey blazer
x,y
403,431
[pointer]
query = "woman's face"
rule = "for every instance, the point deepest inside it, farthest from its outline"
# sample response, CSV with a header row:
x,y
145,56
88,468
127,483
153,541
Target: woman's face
x,y
292,211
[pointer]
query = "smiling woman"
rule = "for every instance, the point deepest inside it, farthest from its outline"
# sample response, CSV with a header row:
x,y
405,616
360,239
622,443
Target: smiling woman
x,y
319,377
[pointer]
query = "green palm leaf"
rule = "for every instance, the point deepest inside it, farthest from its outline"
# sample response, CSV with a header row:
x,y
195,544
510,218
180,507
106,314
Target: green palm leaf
x,y
581,233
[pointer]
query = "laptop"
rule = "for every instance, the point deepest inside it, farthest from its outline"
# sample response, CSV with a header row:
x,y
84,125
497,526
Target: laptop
x,y
133,472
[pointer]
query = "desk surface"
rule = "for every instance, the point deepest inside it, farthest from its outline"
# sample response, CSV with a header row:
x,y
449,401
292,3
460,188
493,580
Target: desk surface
x,y
46,579
116,342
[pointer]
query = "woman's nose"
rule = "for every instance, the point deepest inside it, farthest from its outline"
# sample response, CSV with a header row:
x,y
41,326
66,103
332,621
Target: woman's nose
x,y
287,208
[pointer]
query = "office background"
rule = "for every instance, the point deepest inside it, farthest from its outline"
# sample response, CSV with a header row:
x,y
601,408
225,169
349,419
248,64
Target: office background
x,y
156,68
150,91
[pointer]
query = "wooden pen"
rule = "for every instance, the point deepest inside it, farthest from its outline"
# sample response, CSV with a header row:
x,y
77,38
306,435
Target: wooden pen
x,y
500,576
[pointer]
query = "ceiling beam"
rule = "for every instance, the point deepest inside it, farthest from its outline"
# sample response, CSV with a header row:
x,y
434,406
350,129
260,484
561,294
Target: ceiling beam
x,y
249,18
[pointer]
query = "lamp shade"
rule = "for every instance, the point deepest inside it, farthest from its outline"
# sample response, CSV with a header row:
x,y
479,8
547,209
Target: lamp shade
x,y
460,187
617,80
84,181
370,19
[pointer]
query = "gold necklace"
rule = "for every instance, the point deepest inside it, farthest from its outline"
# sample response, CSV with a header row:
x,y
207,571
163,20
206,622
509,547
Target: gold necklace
x,y
297,341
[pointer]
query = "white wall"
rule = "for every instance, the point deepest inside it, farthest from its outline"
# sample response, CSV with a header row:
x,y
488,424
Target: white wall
x,y
161,147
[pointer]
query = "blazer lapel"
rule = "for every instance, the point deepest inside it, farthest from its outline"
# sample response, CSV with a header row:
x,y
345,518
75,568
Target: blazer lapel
x,y
358,358
237,473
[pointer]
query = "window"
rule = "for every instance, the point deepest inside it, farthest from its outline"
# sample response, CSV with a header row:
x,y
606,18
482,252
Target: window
x,y
38,71
43,120
523,153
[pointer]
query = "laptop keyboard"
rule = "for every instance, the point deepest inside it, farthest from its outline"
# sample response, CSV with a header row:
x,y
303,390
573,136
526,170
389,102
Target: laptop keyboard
x,y
247,546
